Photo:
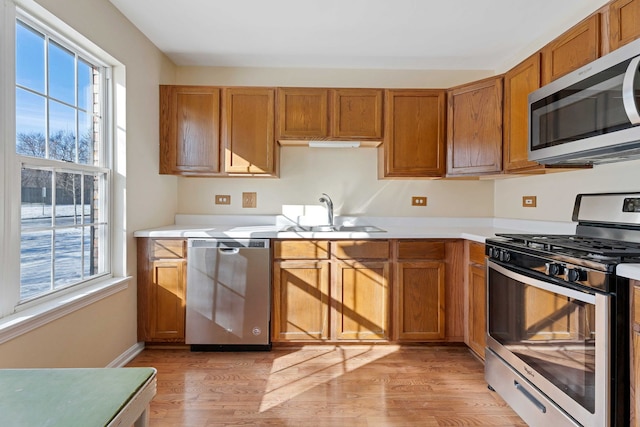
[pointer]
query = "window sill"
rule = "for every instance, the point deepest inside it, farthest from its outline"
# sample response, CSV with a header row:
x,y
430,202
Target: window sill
x,y
24,321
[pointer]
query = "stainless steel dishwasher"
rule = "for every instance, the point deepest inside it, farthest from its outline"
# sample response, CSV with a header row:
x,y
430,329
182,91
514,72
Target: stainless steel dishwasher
x,y
228,294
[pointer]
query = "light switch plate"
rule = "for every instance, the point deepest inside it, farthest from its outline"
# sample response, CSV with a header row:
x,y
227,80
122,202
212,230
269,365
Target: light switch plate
x,y
249,200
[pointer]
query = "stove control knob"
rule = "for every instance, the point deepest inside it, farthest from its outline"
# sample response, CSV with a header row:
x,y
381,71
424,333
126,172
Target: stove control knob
x,y
576,275
505,256
555,269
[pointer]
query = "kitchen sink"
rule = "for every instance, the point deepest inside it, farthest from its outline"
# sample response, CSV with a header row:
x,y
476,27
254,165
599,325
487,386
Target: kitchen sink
x,y
335,228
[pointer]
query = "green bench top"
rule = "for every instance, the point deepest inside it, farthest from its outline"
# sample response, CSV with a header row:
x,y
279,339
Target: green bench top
x,y
67,397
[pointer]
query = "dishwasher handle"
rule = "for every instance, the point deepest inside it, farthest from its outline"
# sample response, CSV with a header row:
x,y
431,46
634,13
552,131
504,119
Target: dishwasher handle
x,y
226,251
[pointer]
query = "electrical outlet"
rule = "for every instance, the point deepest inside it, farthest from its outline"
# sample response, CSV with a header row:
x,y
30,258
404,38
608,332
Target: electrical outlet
x,y
529,201
223,199
418,201
249,200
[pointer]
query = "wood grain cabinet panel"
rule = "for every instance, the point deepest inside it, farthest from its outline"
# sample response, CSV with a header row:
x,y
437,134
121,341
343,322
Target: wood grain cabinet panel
x,y
300,301
624,22
361,300
420,309
161,290
357,113
573,49
634,373
414,143
519,82
248,130
476,298
301,249
303,113
189,130
474,131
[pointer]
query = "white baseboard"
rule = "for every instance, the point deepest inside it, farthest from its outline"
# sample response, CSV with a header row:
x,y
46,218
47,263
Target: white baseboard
x,y
127,356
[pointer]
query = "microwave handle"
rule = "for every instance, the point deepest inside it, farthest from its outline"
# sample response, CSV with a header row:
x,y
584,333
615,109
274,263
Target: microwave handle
x,y
628,94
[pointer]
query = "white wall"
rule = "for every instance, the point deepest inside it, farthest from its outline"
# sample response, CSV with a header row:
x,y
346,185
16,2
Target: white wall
x,y
96,335
556,192
349,176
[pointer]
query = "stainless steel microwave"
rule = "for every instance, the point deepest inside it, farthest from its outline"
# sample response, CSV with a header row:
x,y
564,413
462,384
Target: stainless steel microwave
x,y
590,115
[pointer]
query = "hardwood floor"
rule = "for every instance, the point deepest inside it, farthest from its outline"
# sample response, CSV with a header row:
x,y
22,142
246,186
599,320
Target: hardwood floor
x,y
348,386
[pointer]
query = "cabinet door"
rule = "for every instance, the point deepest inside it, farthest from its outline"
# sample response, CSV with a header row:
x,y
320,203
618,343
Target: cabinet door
x,y
302,113
360,302
420,300
356,113
300,301
414,143
474,132
518,83
477,309
189,129
624,22
248,130
573,49
167,301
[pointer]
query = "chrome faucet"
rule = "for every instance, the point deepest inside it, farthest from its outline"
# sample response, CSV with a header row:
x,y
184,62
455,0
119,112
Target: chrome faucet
x,y
327,200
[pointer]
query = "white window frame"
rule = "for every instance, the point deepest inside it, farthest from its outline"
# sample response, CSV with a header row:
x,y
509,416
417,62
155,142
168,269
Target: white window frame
x,y
15,318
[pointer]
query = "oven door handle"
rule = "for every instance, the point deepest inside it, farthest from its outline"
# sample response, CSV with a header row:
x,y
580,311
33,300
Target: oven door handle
x,y
547,286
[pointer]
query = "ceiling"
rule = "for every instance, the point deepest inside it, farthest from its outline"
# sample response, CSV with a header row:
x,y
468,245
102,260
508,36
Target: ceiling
x,y
369,34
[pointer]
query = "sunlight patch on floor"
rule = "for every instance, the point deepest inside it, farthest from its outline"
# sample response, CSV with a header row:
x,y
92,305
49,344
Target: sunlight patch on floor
x,y
295,373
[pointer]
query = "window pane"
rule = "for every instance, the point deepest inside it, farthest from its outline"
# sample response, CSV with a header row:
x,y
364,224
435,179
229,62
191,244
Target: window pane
x,y
86,154
36,198
62,132
90,205
85,85
35,263
30,124
29,58
68,199
68,250
61,74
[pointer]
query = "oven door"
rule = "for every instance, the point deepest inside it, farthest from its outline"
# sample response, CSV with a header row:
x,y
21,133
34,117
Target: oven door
x,y
555,337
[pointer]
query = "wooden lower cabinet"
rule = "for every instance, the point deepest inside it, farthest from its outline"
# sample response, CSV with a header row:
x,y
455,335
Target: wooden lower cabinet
x,y
361,300
300,300
321,294
420,309
635,353
476,298
161,290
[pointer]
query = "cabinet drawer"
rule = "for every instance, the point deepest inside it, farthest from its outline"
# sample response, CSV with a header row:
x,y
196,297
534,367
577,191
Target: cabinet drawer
x,y
301,249
361,249
476,253
167,248
420,249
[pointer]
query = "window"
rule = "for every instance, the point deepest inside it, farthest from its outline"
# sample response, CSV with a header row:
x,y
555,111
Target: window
x,y
62,148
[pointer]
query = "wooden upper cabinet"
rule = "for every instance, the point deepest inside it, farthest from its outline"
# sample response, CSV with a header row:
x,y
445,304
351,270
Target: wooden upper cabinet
x,y
303,113
573,49
624,22
325,114
474,132
356,113
414,143
189,130
518,83
248,130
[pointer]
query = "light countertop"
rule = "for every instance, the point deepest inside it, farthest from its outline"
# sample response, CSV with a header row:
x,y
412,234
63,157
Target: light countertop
x,y
269,227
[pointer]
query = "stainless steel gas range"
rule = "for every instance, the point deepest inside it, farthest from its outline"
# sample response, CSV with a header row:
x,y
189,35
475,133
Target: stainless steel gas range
x,y
558,316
